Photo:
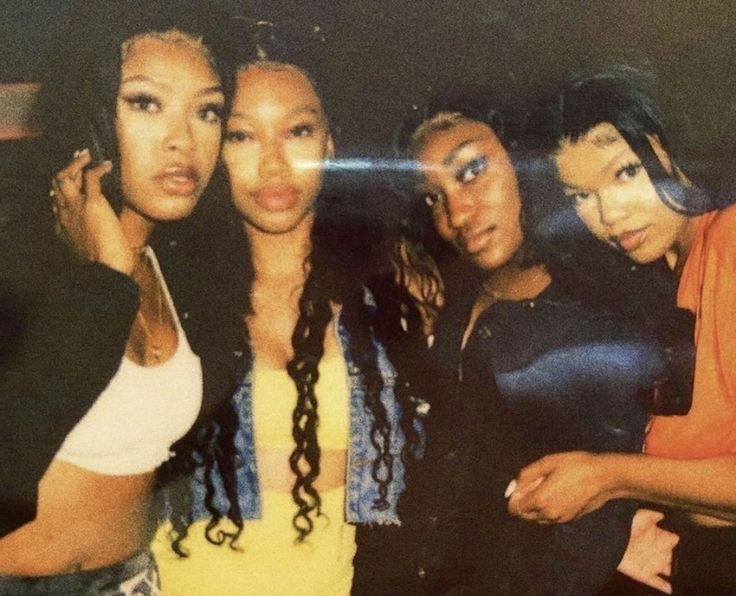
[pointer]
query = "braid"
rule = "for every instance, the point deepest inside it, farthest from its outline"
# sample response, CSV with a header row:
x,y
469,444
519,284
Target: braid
x,y
210,445
357,317
307,340
398,326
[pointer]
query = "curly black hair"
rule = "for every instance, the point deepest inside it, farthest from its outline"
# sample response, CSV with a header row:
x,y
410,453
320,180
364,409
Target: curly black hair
x,y
349,252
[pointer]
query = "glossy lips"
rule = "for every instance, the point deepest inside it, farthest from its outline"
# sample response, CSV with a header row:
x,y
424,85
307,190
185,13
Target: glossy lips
x,y
630,241
276,198
180,181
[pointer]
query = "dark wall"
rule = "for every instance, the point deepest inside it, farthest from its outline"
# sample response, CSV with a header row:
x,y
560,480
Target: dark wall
x,y
382,56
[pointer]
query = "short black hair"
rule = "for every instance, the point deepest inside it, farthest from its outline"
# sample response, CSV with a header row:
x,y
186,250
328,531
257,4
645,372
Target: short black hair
x,y
621,96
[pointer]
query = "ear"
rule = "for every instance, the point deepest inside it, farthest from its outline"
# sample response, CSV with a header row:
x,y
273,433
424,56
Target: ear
x,y
330,148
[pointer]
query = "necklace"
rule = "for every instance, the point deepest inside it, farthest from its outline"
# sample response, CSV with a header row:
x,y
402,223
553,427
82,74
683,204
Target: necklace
x,y
152,350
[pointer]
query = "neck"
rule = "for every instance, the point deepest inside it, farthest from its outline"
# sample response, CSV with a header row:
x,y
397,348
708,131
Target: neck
x,y
137,229
677,255
514,282
280,256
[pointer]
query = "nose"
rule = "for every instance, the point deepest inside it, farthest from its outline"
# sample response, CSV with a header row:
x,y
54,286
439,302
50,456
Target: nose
x,y
611,206
459,207
180,136
273,160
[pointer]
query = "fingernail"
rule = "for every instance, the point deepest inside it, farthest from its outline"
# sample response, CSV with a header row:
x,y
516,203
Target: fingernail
x,y
84,151
510,489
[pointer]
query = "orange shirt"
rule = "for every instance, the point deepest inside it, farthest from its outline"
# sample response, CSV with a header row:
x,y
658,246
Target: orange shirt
x,y
707,288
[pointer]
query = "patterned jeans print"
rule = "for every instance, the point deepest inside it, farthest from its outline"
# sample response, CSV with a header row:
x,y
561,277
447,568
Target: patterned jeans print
x,y
137,576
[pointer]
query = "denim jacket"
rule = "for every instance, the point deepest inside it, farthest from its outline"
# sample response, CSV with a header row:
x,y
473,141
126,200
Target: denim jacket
x,y
362,489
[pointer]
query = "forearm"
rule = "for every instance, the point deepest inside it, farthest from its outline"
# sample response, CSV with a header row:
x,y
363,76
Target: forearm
x,y
704,486
64,349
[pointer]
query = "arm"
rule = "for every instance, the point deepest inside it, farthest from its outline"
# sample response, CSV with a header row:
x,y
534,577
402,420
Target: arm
x,y
65,324
566,486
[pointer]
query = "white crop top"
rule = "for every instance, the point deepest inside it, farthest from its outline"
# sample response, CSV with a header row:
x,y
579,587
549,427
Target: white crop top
x,y
144,409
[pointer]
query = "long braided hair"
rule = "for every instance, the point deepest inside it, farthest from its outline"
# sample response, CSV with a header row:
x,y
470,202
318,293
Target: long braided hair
x,y
345,258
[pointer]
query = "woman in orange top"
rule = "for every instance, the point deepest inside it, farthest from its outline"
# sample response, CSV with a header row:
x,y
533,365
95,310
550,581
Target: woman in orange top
x,y
615,166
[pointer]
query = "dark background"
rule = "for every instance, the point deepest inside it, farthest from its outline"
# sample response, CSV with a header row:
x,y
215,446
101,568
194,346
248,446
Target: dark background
x,y
381,57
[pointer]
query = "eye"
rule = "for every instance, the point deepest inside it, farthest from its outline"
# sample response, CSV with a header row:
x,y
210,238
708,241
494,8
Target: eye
x,y
578,197
471,170
431,199
237,136
303,130
629,171
143,103
211,113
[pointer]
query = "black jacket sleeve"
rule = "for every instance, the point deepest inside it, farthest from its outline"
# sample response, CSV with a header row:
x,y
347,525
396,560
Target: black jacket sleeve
x,y
63,328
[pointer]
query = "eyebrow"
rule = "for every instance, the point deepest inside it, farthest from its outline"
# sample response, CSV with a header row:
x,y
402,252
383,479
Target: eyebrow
x,y
450,157
295,112
166,87
605,168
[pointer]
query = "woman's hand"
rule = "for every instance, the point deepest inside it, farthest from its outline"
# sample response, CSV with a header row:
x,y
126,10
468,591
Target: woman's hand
x,y
648,556
84,218
560,488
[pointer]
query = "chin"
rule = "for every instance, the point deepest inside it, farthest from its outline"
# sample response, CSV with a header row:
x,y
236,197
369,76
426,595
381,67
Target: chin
x,y
644,258
173,209
493,259
278,223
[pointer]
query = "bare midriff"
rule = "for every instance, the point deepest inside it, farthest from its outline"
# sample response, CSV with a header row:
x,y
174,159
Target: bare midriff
x,y
274,472
85,521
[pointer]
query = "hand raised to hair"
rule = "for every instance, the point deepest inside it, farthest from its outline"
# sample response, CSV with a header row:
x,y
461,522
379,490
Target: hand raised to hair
x,y
648,556
85,219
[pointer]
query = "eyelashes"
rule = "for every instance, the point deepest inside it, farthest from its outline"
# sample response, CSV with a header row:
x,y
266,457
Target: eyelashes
x,y
628,171
431,199
302,130
143,102
625,173
299,131
471,170
237,136
211,112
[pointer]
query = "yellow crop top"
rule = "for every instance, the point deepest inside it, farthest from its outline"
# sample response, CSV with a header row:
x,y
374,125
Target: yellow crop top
x,y
274,398
269,562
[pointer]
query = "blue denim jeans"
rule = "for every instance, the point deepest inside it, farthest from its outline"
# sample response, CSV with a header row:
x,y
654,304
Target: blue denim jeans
x,y
138,576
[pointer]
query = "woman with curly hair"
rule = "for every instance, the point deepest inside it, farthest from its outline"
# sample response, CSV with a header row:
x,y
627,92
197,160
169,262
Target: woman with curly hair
x,y
98,379
606,137
530,368
313,438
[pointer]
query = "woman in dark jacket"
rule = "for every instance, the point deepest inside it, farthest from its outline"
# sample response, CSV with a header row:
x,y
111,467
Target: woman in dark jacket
x,y
528,360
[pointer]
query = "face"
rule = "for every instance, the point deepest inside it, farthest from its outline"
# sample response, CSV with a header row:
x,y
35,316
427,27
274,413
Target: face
x,y
168,125
615,197
471,186
277,138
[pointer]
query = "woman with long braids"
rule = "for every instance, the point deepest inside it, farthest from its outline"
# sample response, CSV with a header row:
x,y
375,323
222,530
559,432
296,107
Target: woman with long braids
x,y
530,368
98,379
606,137
311,442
